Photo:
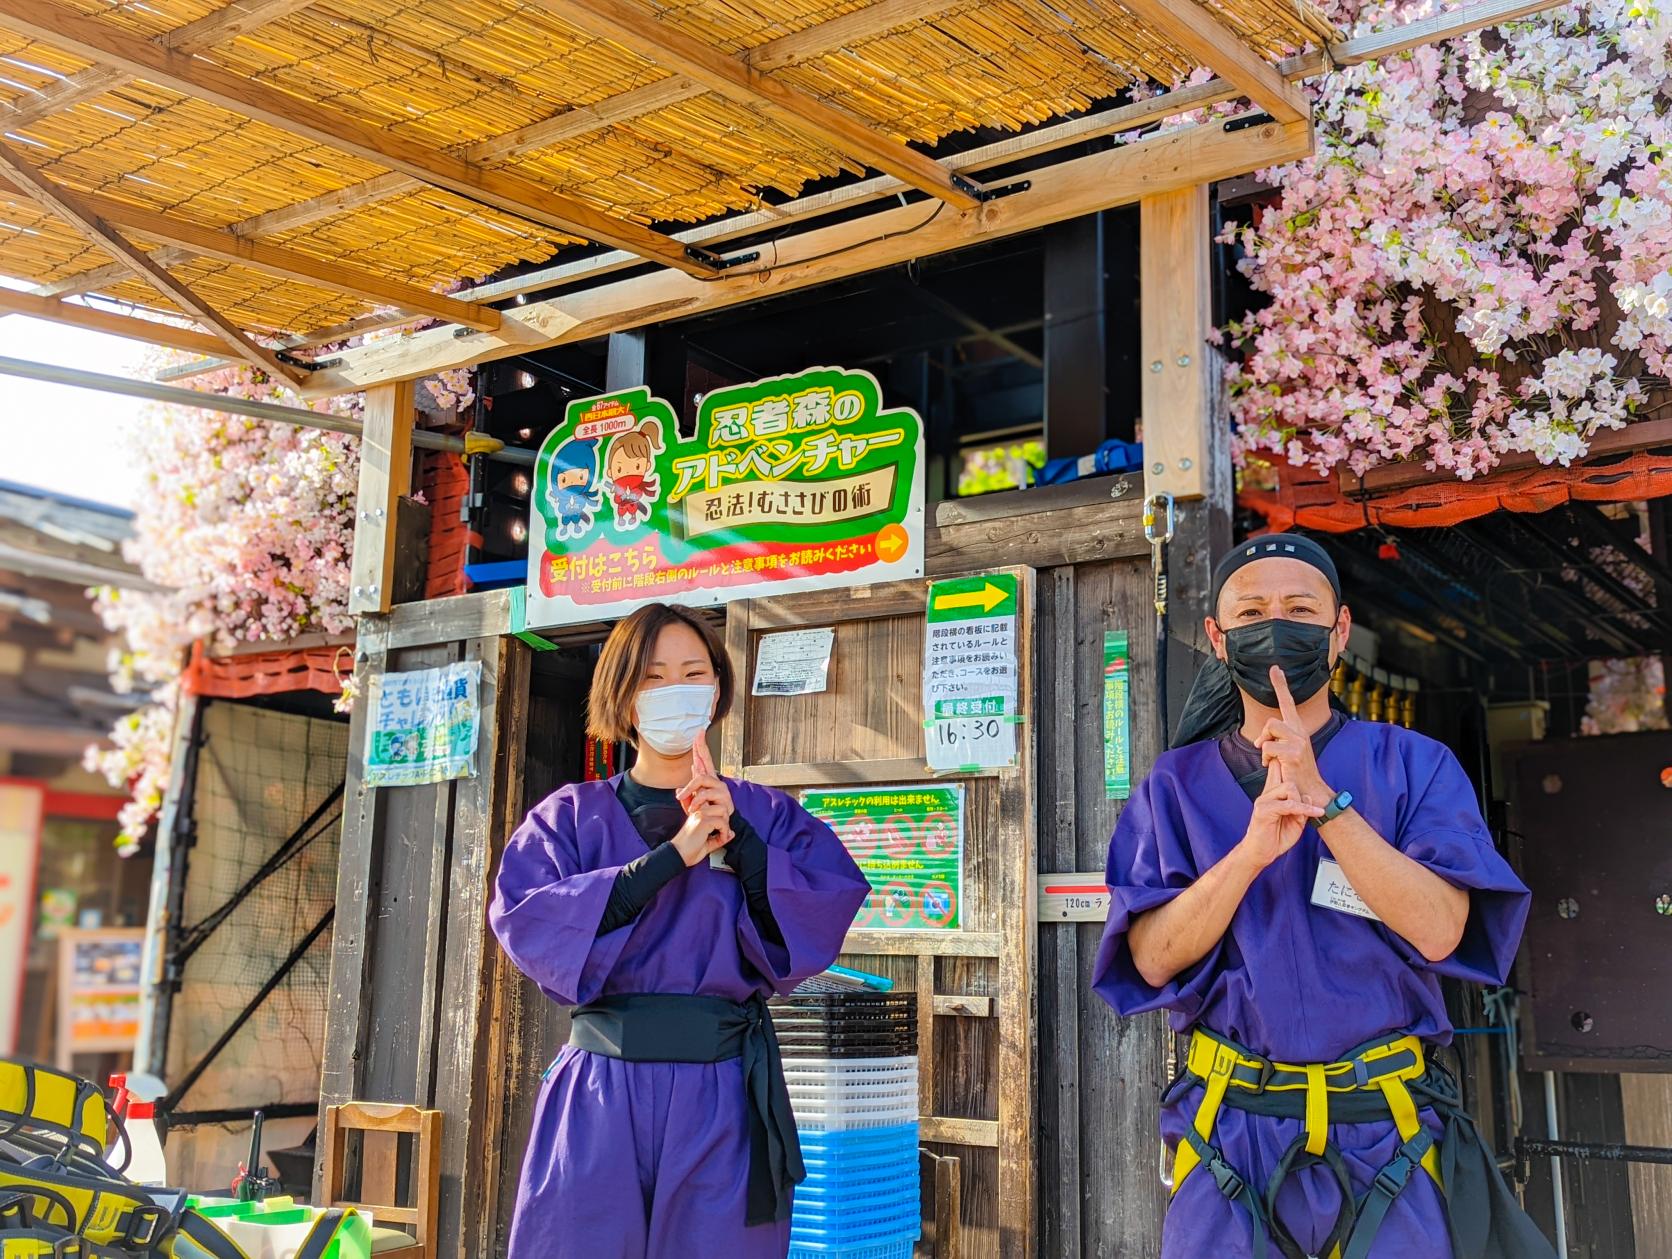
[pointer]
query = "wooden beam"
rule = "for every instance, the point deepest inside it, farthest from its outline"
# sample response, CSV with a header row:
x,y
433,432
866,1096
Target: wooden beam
x,y
209,30
1097,181
287,264
53,24
385,477
1429,30
842,33
1209,42
1173,265
69,207
633,28
13,303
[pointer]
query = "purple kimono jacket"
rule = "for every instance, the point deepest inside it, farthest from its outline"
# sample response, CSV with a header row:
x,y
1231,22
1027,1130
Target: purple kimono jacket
x,y
637,1160
1300,983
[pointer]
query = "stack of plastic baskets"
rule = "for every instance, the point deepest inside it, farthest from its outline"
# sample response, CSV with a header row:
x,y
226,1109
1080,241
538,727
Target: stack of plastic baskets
x,y
850,1060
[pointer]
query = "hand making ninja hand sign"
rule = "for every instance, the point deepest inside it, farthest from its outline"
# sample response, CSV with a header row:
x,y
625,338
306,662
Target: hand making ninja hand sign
x,y
708,807
1285,742
1280,816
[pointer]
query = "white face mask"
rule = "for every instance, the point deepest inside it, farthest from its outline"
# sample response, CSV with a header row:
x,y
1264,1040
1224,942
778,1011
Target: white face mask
x,y
669,718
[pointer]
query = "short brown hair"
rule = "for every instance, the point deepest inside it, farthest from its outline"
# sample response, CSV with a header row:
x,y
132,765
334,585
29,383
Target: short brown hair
x,y
626,656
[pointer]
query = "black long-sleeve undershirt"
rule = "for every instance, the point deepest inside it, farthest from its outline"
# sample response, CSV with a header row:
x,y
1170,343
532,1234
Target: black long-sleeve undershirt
x,y
657,816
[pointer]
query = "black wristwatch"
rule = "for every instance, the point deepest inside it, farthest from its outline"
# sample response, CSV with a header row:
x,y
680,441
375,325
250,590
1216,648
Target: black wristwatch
x,y
1336,807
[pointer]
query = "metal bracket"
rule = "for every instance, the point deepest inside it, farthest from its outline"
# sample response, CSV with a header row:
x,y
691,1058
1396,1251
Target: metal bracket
x,y
971,188
1246,121
306,365
716,262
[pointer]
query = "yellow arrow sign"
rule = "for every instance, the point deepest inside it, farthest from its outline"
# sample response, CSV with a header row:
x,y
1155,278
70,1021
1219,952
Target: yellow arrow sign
x,y
987,598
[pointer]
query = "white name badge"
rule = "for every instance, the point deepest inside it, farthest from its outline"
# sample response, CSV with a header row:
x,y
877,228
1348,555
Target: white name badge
x,y
1332,891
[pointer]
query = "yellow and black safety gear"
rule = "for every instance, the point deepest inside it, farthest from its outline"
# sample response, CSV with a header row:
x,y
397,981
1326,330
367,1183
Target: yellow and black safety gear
x,y
1381,1080
60,1198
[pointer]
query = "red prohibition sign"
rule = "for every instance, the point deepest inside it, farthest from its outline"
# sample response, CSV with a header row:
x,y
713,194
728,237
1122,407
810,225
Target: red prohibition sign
x,y
897,903
859,833
899,836
940,903
940,834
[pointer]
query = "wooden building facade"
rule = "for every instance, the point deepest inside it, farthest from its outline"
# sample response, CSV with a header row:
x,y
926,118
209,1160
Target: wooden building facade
x,y
399,147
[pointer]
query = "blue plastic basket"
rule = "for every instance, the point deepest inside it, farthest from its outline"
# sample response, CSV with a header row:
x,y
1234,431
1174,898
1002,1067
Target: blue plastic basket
x,y
905,1225
839,1191
844,1166
894,1139
898,1248
869,1200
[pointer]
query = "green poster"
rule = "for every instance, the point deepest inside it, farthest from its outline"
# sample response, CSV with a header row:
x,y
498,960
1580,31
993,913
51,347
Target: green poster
x,y
802,482
1117,715
909,841
423,726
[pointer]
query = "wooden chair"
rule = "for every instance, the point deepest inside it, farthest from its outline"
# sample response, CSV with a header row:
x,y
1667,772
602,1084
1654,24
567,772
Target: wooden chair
x,y
381,1126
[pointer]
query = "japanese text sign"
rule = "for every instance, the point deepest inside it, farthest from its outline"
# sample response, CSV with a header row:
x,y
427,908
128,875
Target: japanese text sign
x,y
909,842
795,483
969,673
424,726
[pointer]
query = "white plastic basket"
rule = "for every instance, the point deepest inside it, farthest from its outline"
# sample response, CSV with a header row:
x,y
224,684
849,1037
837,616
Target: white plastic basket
x,y
825,1087
850,1118
851,1071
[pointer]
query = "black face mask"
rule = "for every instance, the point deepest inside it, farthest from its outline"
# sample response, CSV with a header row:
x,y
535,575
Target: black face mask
x,y
1299,649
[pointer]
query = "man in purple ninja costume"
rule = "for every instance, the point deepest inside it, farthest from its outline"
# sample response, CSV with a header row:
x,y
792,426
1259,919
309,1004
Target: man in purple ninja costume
x,y
1292,886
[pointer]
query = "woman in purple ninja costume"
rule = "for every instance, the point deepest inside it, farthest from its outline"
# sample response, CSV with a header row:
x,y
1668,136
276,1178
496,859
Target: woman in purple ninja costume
x,y
663,1127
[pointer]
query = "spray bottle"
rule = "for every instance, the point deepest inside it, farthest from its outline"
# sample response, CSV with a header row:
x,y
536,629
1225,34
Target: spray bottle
x,y
135,1105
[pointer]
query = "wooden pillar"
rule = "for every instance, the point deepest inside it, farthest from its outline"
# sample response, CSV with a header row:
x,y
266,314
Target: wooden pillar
x,y
385,478
1647,1103
1178,372
627,360
1076,348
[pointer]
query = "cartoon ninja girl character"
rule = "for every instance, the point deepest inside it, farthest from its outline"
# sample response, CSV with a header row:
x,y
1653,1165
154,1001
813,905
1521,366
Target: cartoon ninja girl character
x,y
570,491
627,472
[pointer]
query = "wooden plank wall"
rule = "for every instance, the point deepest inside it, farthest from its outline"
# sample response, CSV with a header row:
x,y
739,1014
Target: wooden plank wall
x,y
409,1009
527,1029
974,996
402,1006
1100,1077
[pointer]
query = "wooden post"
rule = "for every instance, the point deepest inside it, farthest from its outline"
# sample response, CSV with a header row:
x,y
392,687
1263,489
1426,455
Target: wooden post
x,y
1173,274
385,477
347,1013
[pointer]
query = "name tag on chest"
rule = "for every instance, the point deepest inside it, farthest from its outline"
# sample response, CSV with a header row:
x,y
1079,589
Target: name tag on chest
x,y
1332,891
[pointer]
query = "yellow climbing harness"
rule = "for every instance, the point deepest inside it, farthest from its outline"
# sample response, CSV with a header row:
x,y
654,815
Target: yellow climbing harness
x,y
1381,1073
60,1198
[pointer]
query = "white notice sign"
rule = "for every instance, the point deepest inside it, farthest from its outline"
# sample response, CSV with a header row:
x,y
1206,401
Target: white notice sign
x,y
969,674
796,662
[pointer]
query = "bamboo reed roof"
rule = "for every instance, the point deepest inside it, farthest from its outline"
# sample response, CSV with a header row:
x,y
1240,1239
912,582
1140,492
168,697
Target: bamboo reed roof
x,y
522,90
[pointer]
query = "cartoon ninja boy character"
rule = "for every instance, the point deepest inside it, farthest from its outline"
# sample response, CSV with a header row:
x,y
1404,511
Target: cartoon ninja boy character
x,y
627,470
570,489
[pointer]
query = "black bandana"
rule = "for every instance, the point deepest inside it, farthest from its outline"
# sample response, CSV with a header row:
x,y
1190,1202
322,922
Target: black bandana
x,y
1214,706
1291,546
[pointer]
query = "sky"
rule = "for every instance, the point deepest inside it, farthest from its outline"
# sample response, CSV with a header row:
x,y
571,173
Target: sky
x,y
63,439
